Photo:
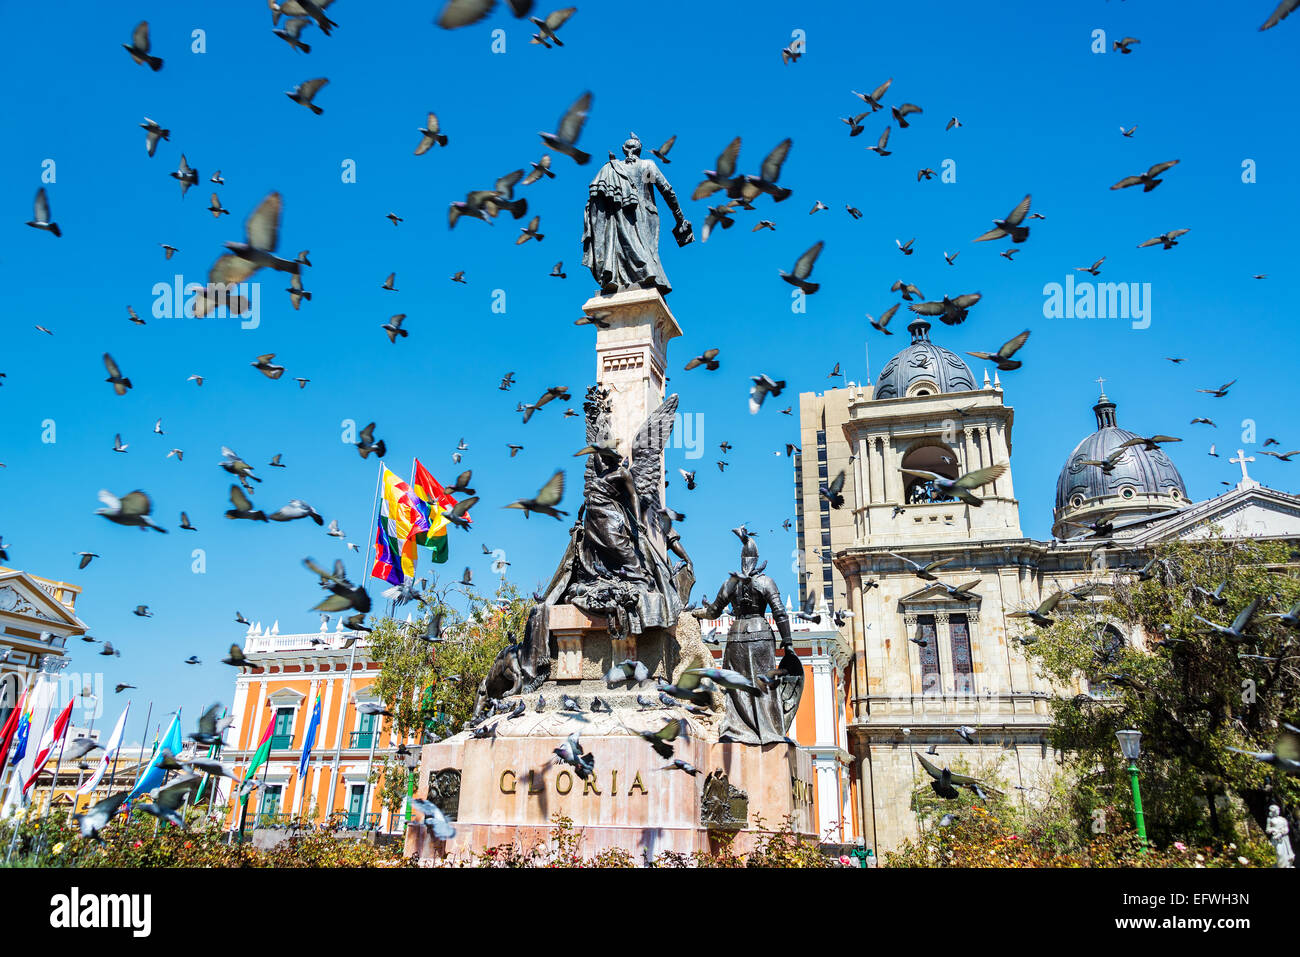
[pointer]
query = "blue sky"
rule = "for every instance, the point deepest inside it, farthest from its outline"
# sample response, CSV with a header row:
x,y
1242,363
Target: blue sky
x,y
1041,114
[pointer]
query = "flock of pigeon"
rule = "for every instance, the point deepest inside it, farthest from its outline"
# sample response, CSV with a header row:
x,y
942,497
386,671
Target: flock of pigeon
x,y
744,192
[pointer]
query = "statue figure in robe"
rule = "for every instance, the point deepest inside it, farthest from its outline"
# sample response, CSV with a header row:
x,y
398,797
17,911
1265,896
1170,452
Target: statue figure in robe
x,y
762,718
620,226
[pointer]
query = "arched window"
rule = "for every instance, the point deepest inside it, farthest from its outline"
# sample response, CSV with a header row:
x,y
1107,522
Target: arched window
x,y
935,458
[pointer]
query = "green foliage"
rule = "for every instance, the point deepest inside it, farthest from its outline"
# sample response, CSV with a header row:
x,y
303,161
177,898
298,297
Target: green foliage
x,y
1192,699
140,842
779,848
431,688
984,837
389,776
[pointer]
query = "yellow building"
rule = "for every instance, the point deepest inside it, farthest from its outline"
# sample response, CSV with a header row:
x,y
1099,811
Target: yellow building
x,y
291,671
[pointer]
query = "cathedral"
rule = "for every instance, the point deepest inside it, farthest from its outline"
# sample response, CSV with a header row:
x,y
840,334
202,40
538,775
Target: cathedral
x,y
935,663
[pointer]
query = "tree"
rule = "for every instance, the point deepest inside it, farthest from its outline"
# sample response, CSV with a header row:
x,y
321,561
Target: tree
x,y
430,686
1142,659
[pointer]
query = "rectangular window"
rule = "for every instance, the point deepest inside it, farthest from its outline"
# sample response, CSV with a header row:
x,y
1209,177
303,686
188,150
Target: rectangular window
x,y
282,732
821,454
828,592
283,721
963,667
271,800
826,539
929,654
363,737
822,471
356,796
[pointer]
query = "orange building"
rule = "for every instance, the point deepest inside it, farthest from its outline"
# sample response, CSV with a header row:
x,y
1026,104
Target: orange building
x,y
291,670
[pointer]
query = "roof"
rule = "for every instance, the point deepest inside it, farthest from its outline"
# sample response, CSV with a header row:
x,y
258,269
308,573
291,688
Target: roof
x,y
924,367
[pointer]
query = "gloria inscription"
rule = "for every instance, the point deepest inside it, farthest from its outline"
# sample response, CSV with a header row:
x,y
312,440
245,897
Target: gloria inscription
x,y
563,782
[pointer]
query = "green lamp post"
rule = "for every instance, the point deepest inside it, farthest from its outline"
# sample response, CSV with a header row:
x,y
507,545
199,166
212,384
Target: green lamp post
x,y
1130,743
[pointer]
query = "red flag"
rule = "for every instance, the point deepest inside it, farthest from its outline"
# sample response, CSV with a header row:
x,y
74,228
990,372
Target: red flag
x,y
52,737
7,732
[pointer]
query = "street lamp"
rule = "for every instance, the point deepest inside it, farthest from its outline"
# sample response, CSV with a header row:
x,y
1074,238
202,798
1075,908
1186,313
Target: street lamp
x,y
412,761
1130,744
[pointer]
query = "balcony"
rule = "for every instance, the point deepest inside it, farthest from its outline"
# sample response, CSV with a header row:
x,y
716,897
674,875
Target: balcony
x,y
277,820
354,821
361,739
279,742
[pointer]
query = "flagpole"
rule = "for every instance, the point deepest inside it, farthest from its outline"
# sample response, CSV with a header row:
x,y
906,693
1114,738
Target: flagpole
x,y
76,795
370,770
343,712
374,511
112,778
54,782
17,775
45,726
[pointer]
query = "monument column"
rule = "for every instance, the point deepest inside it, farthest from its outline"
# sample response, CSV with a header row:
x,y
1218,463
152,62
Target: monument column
x,y
633,329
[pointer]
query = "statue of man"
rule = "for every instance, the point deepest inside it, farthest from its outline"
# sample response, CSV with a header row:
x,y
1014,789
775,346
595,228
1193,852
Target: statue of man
x,y
764,718
1278,834
620,227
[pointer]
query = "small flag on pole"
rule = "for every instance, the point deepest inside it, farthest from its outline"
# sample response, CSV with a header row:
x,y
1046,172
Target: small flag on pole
x,y
399,521
110,752
433,502
309,740
10,730
52,737
262,754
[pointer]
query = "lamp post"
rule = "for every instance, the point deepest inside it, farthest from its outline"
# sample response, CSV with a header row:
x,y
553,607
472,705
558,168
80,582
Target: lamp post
x,y
1130,743
412,761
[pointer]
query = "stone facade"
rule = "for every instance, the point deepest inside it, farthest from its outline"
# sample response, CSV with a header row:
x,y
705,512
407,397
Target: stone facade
x,y
904,696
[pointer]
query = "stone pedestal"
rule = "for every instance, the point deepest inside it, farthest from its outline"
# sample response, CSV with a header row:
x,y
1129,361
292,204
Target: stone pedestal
x,y
510,789
507,789
631,355
585,652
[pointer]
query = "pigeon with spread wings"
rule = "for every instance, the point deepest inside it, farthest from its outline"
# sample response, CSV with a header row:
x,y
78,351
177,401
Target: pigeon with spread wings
x,y
964,486
946,781
1009,226
565,138
131,509
803,268
547,497
1002,358
430,134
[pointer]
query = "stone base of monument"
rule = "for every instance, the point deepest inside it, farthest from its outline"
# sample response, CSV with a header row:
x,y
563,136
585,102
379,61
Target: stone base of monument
x,y
509,789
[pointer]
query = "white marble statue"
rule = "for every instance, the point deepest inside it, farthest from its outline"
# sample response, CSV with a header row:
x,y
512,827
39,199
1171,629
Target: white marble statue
x,y
1278,833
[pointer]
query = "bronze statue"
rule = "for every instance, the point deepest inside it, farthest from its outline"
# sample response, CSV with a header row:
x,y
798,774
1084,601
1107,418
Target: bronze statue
x,y
763,718
620,227
616,564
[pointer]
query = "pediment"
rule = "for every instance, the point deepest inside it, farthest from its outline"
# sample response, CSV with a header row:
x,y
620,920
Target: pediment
x,y
1243,513
286,698
935,593
23,597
